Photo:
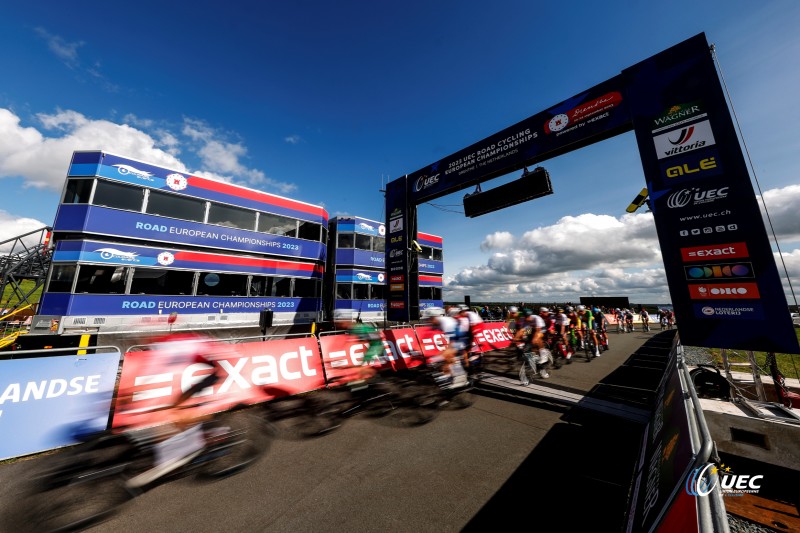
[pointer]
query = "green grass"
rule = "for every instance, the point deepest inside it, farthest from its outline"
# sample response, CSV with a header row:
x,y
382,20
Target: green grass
x,y
788,364
10,299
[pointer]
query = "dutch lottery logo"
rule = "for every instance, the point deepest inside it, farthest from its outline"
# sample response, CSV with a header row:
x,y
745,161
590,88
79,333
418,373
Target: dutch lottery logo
x,y
177,182
165,258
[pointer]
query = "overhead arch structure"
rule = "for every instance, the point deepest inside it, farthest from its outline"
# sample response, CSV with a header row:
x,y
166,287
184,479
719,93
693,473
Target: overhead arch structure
x,y
722,276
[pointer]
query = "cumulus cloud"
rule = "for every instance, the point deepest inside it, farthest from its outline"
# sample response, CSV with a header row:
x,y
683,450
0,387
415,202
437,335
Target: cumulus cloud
x,y
40,155
12,226
595,255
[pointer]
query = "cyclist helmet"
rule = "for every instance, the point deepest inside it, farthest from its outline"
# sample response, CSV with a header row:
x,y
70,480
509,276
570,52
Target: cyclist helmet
x,y
463,307
581,308
595,309
453,311
344,315
570,309
528,312
432,312
513,310
544,310
560,310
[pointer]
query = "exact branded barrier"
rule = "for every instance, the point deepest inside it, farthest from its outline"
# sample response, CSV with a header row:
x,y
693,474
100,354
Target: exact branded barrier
x,y
251,372
46,402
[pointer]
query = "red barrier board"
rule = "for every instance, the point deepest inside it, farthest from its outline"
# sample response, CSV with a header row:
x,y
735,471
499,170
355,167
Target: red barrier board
x,y
341,353
492,336
250,373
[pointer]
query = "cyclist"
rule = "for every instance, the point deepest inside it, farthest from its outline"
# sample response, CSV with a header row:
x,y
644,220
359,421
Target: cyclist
x,y
173,351
561,328
452,371
601,322
516,321
347,319
575,325
645,316
468,321
589,325
628,320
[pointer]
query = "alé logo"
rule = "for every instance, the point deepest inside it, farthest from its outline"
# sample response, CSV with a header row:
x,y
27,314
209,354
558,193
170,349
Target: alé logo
x,y
682,140
703,480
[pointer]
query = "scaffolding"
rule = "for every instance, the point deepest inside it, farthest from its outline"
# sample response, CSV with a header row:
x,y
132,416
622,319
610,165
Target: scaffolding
x,y
24,258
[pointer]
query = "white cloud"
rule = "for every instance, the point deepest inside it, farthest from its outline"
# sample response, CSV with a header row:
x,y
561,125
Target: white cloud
x,y
596,254
41,156
12,226
293,139
64,50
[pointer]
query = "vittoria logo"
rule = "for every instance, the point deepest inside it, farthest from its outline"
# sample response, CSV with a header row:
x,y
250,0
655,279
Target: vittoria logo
x,y
683,140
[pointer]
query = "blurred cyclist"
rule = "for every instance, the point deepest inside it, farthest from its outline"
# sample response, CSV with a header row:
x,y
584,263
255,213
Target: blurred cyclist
x,y
347,319
451,369
587,317
177,350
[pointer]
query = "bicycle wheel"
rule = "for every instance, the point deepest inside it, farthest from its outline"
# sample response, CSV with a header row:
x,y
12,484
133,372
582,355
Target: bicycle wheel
x,y
527,370
235,440
411,402
307,416
79,487
589,349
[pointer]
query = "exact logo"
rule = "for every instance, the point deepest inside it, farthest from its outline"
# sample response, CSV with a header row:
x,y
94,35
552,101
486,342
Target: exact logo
x,y
716,251
177,182
731,270
684,140
724,291
695,196
127,169
165,258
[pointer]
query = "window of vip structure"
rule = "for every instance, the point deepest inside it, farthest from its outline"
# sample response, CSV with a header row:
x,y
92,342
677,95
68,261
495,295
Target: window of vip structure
x,y
309,230
161,281
78,191
344,240
118,196
277,225
232,217
61,278
101,279
430,293
306,288
175,206
222,284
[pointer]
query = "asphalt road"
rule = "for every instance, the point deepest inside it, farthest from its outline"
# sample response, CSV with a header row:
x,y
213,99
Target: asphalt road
x,y
498,464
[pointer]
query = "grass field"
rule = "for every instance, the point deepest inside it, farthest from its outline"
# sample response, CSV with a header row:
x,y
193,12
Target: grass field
x,y
788,364
25,286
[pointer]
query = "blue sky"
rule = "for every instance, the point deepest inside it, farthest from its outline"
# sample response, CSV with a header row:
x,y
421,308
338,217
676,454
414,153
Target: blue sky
x,y
324,101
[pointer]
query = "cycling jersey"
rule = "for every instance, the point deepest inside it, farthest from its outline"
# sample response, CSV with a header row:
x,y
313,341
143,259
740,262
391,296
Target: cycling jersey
x,y
369,334
588,319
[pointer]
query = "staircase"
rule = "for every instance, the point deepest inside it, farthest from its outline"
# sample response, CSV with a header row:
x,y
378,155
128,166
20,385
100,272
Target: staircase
x,y
23,258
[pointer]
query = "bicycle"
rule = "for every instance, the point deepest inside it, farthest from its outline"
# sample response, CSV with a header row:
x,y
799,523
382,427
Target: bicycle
x,y
620,325
559,349
588,346
87,483
602,338
531,367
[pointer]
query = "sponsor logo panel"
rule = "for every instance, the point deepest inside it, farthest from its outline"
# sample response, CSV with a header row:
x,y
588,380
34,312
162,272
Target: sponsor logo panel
x,y
724,291
690,167
745,312
398,278
177,182
397,305
727,270
696,196
684,139
593,108
715,251
397,287
677,115
719,228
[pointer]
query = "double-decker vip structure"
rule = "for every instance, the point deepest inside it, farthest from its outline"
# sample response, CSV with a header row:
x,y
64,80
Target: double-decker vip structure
x,y
136,243
356,275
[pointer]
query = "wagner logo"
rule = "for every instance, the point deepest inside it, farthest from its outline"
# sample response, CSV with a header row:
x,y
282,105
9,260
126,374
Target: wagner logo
x,y
678,114
724,291
730,270
684,140
715,251
695,196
